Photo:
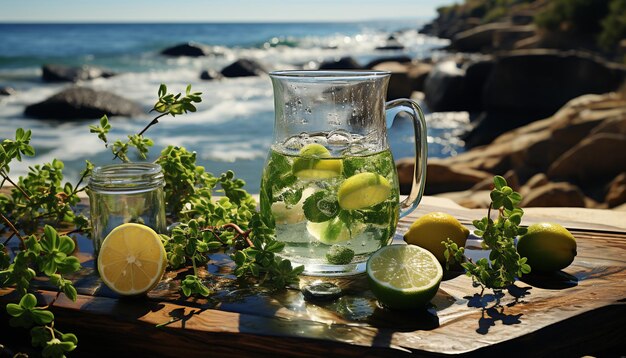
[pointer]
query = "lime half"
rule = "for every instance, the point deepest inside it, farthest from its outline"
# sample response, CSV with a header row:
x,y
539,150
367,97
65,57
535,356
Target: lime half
x,y
333,231
404,276
363,190
315,163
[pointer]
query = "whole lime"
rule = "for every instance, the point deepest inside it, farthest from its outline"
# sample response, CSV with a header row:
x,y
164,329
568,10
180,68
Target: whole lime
x,y
547,246
431,229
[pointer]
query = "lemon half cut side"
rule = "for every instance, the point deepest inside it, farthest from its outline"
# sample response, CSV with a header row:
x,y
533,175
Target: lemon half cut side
x,y
132,259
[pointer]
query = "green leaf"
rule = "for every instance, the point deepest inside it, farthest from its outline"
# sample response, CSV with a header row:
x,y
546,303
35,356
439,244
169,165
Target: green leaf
x,y
42,317
499,182
40,336
320,207
28,302
14,310
66,245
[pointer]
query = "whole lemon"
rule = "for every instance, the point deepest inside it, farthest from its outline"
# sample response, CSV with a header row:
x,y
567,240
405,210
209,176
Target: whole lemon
x,y
547,246
431,229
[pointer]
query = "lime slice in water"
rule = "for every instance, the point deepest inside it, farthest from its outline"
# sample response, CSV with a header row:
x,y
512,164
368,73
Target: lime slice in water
x,y
404,276
333,231
314,163
363,190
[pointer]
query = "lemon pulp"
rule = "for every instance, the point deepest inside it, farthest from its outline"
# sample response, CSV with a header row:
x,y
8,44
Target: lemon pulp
x,y
132,259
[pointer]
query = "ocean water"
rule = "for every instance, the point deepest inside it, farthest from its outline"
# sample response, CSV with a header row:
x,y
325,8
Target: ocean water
x,y
232,128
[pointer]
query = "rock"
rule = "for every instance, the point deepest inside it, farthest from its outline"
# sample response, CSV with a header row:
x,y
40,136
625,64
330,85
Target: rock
x,y
444,88
418,74
392,44
539,82
594,159
243,68
554,194
210,75
488,37
61,73
444,178
83,103
400,85
189,49
7,91
536,181
476,75
400,59
344,63
471,199
487,184
616,194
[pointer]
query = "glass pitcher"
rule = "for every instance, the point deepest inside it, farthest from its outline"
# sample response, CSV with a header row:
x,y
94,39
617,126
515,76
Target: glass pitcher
x,y
330,186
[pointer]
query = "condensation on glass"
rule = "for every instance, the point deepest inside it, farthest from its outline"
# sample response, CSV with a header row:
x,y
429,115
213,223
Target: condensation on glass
x,y
126,193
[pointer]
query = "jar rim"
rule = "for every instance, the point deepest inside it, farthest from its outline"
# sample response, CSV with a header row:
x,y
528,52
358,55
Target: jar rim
x,y
330,75
127,176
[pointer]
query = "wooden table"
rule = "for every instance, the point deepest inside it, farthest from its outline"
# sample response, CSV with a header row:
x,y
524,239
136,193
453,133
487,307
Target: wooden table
x,y
582,310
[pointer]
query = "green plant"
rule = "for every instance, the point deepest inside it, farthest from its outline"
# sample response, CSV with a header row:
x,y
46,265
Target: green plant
x,y
504,263
205,224
613,25
39,201
36,200
582,16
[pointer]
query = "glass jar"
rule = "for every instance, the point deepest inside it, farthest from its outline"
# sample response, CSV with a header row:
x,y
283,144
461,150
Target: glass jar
x,y
123,193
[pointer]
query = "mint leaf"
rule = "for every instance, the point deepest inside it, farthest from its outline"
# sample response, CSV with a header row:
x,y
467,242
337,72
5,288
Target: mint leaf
x,y
321,206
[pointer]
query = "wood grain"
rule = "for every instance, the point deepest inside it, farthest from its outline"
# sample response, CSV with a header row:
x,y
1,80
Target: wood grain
x,y
581,310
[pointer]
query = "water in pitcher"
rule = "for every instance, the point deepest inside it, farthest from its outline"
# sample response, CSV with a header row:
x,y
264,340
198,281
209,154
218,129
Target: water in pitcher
x,y
332,199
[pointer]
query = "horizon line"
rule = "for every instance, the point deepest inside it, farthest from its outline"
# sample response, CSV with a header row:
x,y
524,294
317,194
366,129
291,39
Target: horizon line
x,y
260,21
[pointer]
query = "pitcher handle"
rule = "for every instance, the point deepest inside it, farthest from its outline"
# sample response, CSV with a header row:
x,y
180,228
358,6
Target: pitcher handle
x,y
421,151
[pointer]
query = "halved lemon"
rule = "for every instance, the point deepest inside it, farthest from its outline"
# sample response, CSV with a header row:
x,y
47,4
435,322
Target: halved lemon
x,y
363,190
315,163
132,259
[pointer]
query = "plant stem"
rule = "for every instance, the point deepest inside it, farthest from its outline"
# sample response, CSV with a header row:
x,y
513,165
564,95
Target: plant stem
x,y
239,231
153,122
10,224
78,184
6,177
193,262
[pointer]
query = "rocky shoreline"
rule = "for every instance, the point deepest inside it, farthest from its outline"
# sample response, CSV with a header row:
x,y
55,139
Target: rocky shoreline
x,y
552,120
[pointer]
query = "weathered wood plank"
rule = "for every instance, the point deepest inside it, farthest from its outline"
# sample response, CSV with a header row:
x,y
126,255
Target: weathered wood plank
x,y
585,303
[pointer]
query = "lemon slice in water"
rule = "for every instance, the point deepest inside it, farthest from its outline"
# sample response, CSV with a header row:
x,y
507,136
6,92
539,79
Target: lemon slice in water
x,y
132,259
315,163
363,190
404,276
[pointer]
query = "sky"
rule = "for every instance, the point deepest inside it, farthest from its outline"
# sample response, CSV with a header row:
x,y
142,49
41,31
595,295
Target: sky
x,y
214,10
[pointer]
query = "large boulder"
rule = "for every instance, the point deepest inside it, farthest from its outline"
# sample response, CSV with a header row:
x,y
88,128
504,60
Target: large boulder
x,y
344,63
539,82
83,103
189,49
61,73
554,194
444,88
444,178
377,61
243,68
498,35
592,161
400,85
